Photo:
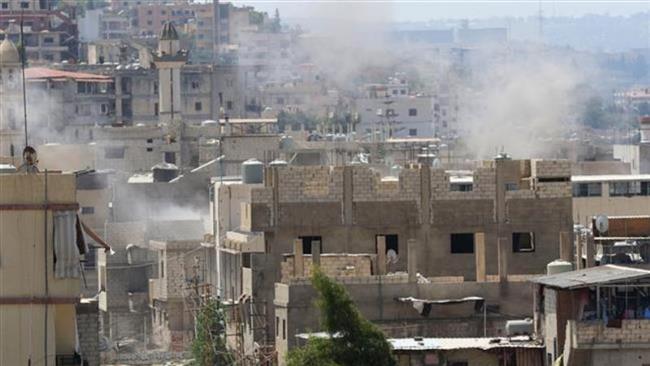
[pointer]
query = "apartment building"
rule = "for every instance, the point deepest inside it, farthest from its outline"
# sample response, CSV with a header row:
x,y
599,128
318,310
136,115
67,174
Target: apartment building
x,y
430,219
612,195
50,35
38,294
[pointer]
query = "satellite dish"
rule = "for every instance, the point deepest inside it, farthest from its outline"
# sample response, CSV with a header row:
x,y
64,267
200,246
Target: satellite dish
x,y
602,223
391,256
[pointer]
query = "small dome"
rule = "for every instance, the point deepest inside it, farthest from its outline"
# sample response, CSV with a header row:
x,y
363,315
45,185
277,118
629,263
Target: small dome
x,y
8,53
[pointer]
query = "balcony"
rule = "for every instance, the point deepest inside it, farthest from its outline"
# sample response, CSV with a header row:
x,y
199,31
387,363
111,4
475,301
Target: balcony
x,y
157,289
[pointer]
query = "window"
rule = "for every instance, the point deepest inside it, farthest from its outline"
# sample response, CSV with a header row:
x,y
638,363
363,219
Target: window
x,y
461,187
617,189
114,153
229,105
462,243
645,189
279,101
403,92
523,242
5,5
395,91
392,242
104,108
155,109
284,329
149,149
198,106
307,242
149,22
163,12
195,84
512,186
82,88
150,141
24,5
413,131
149,12
587,190
170,157
48,40
413,112
277,326
87,210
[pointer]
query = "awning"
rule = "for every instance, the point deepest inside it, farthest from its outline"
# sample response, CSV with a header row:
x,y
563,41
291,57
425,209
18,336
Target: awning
x,y
423,306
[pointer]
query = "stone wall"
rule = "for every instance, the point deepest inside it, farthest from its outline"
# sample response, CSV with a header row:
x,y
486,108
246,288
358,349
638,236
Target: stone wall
x,y
632,331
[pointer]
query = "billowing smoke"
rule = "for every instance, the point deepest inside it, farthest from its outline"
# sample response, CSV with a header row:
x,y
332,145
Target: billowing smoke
x,y
520,106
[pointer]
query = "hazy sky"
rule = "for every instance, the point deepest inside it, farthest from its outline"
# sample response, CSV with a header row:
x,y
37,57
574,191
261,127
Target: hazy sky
x,y
421,10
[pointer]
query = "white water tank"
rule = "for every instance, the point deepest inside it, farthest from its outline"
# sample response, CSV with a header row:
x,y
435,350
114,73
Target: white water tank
x,y
519,327
558,266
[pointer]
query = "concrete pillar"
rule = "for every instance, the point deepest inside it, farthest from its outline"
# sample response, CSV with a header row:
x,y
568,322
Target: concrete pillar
x,y
566,249
381,255
479,255
590,250
579,242
502,247
412,258
298,259
315,253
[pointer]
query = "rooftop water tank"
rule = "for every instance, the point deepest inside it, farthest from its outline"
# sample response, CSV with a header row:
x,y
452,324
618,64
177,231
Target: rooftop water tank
x,y
164,172
286,143
519,327
558,266
252,171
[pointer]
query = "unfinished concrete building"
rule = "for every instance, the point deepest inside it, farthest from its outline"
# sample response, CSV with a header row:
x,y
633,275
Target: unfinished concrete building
x,y
174,291
496,223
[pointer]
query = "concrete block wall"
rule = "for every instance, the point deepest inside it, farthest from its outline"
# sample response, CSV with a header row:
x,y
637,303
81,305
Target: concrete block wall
x,y
550,168
88,330
554,189
333,265
310,183
368,186
483,186
636,331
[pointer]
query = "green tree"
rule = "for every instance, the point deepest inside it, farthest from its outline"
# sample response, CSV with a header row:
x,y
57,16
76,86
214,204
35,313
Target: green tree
x,y
209,346
355,341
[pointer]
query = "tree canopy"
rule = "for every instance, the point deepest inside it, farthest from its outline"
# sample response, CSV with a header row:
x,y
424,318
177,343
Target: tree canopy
x,y
355,341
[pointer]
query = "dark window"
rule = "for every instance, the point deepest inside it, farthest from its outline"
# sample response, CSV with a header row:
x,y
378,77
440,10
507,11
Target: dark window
x,y
114,153
5,5
150,149
198,106
413,112
195,84
87,210
645,188
155,87
24,5
392,242
284,329
462,243
170,157
246,260
461,187
413,131
277,326
523,242
587,190
512,186
155,109
150,141
458,363
307,242
229,105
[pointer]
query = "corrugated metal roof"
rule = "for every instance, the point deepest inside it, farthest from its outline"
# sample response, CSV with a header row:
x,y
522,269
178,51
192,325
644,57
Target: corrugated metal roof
x,y
485,343
592,276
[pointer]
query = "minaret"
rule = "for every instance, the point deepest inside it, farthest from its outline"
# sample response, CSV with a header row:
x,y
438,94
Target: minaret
x,y
168,61
12,138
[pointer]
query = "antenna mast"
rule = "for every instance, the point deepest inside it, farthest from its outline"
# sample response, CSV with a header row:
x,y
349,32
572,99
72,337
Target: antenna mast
x,y
22,66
